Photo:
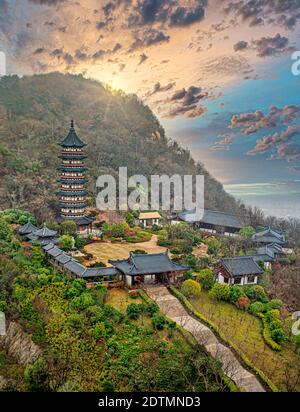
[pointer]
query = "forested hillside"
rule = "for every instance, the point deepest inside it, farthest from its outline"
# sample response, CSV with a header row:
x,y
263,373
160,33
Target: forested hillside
x,y
119,130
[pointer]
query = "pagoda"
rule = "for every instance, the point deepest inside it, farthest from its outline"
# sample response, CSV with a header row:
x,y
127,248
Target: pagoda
x,y
72,194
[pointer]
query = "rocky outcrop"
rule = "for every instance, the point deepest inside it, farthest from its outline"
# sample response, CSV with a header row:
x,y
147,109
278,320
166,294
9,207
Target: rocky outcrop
x,y
19,345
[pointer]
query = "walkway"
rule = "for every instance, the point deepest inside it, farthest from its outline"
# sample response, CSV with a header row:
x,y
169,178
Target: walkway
x,y
174,310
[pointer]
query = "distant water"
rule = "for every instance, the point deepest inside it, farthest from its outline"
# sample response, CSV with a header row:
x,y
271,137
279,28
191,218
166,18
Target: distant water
x,y
277,199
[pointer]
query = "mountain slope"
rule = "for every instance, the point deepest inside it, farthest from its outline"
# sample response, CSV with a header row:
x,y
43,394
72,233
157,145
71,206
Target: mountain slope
x,y
35,113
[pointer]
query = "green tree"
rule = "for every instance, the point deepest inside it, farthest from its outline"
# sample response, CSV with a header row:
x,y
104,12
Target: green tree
x,y
36,377
235,293
68,227
158,321
5,231
66,242
191,288
133,311
220,291
37,255
247,232
207,278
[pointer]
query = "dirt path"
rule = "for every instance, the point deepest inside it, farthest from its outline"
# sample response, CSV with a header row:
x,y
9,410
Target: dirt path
x,y
174,310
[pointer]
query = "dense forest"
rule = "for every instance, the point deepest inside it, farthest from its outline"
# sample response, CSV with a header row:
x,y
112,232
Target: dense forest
x,y
119,130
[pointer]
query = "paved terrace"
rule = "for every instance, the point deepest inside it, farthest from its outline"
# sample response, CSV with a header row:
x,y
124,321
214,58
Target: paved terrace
x,y
174,310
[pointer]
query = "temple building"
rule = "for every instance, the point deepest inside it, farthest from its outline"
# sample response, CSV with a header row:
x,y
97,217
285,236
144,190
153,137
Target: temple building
x,y
140,269
43,236
269,236
212,222
72,194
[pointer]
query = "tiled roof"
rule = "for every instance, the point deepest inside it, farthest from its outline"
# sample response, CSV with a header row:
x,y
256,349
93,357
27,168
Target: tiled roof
x,y
215,218
62,258
100,271
55,251
75,267
27,228
269,235
72,140
242,265
45,232
139,264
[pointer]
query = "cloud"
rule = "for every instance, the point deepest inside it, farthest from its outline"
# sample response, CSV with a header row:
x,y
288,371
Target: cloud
x,y
147,38
185,102
290,152
167,13
184,16
259,12
251,122
270,46
266,46
80,55
39,50
241,45
225,139
159,88
269,142
48,2
143,58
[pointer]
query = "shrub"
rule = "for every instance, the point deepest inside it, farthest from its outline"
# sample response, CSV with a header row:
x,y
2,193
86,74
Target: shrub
x,y
207,278
133,311
278,335
256,307
3,305
243,302
75,321
220,291
188,275
151,308
79,242
274,324
98,331
274,304
190,288
36,376
83,301
256,292
158,321
138,252
235,293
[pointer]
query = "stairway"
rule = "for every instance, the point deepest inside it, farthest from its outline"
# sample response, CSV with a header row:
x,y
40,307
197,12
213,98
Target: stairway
x,y
174,310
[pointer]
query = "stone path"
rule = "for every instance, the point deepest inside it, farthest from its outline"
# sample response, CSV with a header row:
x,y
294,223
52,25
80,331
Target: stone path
x,y
174,310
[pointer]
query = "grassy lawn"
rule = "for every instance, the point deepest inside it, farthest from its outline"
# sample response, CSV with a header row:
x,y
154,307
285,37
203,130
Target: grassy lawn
x,y
245,331
105,251
120,299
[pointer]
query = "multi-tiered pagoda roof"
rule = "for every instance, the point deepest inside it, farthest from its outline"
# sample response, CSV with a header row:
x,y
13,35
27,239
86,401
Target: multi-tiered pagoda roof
x,y
72,194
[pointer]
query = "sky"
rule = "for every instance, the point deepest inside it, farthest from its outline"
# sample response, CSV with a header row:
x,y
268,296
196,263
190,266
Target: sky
x,y
217,73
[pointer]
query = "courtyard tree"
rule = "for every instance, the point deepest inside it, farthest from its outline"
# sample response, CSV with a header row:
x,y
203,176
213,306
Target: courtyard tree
x,y
191,288
66,242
